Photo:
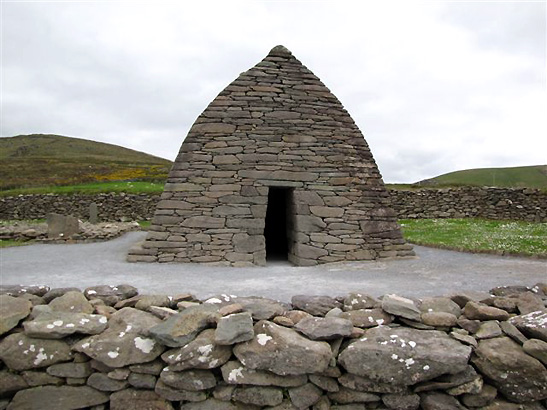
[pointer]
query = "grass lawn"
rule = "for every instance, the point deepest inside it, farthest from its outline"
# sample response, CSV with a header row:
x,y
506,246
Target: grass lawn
x,y
479,235
5,243
136,187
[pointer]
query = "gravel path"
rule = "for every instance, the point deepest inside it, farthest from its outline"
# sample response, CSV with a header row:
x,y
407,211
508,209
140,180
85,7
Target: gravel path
x,y
433,272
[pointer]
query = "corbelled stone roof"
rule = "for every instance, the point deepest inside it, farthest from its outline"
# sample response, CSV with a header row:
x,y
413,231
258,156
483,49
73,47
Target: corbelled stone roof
x,y
276,125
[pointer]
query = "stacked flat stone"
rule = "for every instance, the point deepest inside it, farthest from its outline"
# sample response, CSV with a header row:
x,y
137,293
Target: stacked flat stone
x,y
276,125
110,347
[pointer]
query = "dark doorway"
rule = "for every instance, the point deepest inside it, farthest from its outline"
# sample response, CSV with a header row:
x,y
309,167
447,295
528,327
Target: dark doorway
x,y
276,224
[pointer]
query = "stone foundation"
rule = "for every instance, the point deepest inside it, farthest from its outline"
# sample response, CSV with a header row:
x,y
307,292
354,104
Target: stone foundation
x,y
109,347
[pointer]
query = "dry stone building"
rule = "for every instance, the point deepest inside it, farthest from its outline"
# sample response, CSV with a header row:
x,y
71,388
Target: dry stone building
x,y
274,167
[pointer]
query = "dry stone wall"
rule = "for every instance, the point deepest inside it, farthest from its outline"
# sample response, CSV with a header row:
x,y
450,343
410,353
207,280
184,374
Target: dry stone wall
x,y
110,347
491,203
522,204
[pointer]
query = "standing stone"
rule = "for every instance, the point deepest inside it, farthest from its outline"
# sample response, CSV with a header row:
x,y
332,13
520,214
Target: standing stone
x,y
61,226
93,213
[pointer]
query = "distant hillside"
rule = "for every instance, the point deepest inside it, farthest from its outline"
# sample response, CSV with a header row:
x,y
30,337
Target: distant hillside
x,y
44,160
516,177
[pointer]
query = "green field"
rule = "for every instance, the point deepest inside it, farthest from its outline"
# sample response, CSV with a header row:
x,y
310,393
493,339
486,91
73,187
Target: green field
x,y
515,177
51,160
479,235
137,187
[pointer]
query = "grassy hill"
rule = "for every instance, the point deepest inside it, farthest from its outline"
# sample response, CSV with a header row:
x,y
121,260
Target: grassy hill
x,y
51,160
516,177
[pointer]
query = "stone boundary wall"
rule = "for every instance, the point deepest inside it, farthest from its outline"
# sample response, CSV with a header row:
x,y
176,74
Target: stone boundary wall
x,y
492,203
110,348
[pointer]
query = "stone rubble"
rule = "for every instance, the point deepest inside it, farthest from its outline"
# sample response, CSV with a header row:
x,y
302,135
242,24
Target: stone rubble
x,y
228,352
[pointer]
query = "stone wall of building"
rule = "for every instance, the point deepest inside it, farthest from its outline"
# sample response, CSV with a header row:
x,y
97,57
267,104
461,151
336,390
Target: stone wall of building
x,y
490,203
109,347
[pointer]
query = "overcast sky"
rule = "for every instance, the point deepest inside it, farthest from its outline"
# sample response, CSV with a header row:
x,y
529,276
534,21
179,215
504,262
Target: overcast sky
x,y
434,86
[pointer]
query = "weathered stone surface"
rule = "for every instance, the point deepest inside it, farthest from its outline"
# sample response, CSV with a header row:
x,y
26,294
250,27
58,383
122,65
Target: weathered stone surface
x,y
362,383
488,330
142,381
399,401
536,348
57,292
12,310
258,396
38,378
110,294
170,393
400,306
440,401
367,317
18,290
518,376
153,367
138,399
357,301
147,301
182,328
60,324
75,370
62,226
328,328
10,383
192,380
315,305
73,302
262,308
234,372
439,319
346,396
102,382
304,396
20,352
533,324
483,398
235,328
206,222
201,353
214,404
404,356
282,351
58,398
474,310
124,341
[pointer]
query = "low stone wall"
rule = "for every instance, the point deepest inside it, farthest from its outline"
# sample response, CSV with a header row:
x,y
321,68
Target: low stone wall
x,y
490,203
109,347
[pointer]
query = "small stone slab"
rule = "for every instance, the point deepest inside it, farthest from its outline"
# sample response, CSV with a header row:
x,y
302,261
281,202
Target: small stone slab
x,y
282,351
315,305
57,325
536,348
258,396
200,353
123,342
20,352
366,318
192,380
533,324
58,398
305,396
516,375
170,393
110,294
74,370
138,399
12,310
479,311
234,372
10,383
400,306
182,328
404,356
327,328
362,383
214,404
102,382
234,328
439,319
357,301
262,308
72,302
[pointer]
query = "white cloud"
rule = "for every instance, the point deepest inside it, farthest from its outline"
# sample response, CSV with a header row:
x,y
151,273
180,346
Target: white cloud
x,y
435,87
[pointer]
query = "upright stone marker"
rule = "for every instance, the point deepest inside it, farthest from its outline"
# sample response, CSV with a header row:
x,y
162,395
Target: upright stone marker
x,y
62,226
274,167
93,213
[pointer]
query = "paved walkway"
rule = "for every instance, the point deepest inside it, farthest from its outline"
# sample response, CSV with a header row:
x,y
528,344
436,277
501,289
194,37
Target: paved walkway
x,y
434,272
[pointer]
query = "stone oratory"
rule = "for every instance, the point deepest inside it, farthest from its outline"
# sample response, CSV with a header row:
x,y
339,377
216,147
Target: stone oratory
x,y
274,168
